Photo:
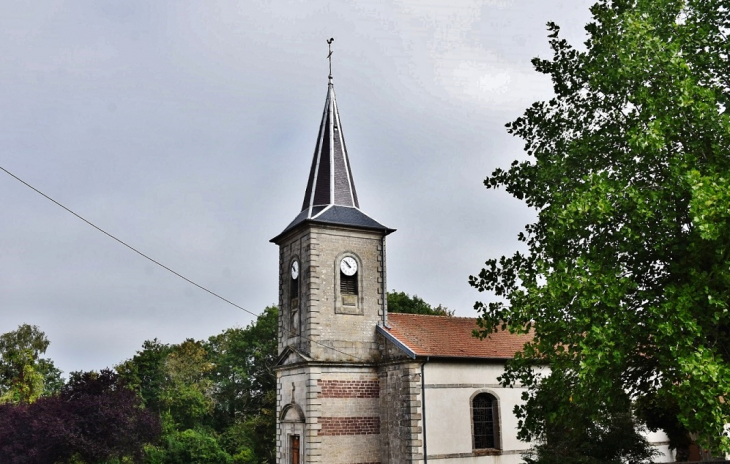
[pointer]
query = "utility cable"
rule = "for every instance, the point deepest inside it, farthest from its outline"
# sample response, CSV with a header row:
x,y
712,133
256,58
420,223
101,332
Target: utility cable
x,y
157,262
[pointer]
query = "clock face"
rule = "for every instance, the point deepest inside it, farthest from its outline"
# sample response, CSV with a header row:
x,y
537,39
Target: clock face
x,y
295,270
348,266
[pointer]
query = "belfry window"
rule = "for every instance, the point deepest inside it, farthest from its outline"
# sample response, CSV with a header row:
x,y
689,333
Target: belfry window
x,y
485,421
348,284
349,277
294,291
294,278
294,283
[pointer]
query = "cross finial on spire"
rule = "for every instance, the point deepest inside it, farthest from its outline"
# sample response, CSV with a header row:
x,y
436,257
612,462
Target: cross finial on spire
x,y
329,56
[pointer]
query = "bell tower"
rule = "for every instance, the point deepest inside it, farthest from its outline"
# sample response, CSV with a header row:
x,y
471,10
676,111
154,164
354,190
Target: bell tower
x,y
332,295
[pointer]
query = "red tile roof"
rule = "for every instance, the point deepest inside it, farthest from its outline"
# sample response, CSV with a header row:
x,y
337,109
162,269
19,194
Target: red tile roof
x,y
443,336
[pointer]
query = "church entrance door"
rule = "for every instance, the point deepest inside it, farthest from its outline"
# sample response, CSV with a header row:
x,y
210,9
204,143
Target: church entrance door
x,y
294,448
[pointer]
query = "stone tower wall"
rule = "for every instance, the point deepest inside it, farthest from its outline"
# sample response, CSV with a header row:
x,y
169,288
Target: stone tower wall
x,y
322,317
333,378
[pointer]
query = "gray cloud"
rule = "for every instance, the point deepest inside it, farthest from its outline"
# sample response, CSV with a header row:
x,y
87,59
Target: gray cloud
x,y
187,129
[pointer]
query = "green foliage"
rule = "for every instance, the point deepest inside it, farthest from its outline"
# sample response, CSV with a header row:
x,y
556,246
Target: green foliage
x,y
246,385
145,373
53,382
574,434
401,302
188,394
217,399
188,447
658,411
24,375
626,276
94,419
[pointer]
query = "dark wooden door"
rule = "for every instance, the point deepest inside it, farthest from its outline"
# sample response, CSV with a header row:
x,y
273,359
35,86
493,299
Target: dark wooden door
x,y
294,446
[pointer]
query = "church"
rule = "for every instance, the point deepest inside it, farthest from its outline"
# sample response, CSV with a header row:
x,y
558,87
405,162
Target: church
x,y
358,385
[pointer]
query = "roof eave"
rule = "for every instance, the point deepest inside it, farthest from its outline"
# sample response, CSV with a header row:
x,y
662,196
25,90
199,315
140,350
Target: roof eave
x,y
451,358
385,230
399,344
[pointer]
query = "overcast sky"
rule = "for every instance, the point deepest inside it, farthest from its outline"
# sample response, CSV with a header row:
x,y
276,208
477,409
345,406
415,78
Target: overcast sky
x,y
187,129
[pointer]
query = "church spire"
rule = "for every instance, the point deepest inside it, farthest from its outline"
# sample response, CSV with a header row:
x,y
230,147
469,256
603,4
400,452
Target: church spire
x,y
330,196
330,177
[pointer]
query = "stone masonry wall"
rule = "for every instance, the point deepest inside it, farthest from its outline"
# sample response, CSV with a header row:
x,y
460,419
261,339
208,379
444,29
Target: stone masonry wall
x,y
293,387
349,330
328,330
401,413
339,389
295,321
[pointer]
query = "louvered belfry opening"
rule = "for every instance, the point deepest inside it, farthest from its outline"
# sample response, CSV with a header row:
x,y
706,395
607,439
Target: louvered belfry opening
x,y
483,416
348,284
294,290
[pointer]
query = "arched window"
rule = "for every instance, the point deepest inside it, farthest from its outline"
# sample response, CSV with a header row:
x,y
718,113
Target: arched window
x,y
485,421
294,278
294,291
348,284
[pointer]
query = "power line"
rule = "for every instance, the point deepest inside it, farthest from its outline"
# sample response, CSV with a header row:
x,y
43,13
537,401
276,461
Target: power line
x,y
157,262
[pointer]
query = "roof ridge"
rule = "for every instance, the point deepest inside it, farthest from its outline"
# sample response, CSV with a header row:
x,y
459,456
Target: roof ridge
x,y
433,315
319,213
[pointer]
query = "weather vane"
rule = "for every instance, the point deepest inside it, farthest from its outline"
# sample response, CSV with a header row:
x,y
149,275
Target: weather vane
x,y
329,56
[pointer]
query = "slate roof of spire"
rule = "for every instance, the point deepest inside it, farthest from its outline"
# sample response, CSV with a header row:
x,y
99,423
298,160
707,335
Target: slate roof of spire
x,y
330,178
330,196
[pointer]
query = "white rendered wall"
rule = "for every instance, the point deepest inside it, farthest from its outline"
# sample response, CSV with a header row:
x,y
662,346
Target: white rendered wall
x,y
661,443
449,389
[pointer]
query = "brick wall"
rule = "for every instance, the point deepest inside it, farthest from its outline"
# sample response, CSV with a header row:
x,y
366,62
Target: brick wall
x,y
349,425
349,388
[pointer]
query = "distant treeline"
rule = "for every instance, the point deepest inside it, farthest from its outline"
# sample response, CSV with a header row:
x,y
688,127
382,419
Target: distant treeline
x,y
206,402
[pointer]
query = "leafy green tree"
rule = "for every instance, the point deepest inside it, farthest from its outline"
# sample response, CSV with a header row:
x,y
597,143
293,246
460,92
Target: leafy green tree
x,y
189,447
401,302
187,399
144,372
216,399
659,412
95,418
626,275
173,381
24,375
246,387
572,435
